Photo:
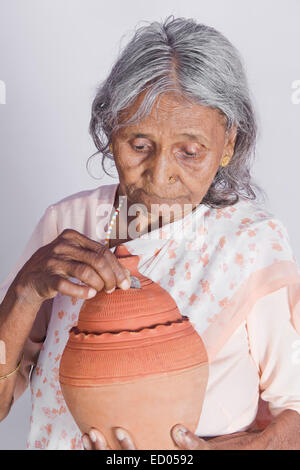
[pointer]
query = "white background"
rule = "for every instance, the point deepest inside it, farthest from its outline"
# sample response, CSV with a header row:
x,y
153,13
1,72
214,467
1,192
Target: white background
x,y
53,53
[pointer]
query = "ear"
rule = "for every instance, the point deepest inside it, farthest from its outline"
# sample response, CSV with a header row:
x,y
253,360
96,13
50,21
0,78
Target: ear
x,y
230,138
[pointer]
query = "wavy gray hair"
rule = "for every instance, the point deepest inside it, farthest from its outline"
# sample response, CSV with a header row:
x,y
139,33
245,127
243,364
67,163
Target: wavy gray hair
x,y
198,62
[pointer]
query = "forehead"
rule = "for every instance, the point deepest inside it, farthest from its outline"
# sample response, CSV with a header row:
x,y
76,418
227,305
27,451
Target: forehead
x,y
172,112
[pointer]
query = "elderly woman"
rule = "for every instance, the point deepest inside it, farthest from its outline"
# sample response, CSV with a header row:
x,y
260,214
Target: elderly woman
x,y
175,116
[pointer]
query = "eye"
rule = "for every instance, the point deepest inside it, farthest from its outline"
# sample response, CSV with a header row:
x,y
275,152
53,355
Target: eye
x,y
141,148
191,155
191,152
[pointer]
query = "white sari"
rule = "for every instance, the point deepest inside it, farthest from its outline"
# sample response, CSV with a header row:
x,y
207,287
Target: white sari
x,y
233,274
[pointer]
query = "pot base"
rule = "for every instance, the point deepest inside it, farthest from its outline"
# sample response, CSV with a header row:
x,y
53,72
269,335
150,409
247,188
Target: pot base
x,y
147,407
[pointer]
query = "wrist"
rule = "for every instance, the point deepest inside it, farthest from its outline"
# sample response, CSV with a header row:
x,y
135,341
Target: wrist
x,y
23,296
6,375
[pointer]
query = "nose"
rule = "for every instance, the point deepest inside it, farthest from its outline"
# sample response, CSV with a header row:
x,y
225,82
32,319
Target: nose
x,y
161,168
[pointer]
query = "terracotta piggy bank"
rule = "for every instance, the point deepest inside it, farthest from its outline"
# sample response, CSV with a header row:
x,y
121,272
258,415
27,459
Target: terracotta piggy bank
x,y
134,361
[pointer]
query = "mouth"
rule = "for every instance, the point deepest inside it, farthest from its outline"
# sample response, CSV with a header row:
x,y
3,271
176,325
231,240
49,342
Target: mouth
x,y
156,198
142,196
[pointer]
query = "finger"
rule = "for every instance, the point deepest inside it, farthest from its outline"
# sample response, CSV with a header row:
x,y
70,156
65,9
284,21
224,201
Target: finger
x,y
105,263
81,271
50,284
121,273
100,274
86,442
124,438
187,440
98,440
127,273
81,240
78,238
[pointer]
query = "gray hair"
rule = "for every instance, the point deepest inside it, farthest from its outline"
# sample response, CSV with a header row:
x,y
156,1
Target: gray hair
x,y
198,62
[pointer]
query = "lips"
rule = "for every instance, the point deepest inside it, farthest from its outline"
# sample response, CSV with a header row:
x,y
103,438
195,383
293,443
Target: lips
x,y
158,198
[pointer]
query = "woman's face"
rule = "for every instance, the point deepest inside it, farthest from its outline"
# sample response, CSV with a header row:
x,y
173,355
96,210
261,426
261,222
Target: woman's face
x,y
178,139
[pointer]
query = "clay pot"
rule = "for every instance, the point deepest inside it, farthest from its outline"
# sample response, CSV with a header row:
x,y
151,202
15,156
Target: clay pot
x,y
134,361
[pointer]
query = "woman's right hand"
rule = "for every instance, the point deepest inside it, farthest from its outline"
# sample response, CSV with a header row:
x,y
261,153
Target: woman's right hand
x,y
71,254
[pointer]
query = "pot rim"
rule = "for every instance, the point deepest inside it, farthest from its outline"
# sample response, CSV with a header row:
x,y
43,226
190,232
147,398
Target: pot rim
x,y
163,329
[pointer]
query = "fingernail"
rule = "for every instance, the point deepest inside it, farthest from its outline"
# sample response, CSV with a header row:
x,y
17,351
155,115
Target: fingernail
x,y
110,291
98,437
120,434
125,284
180,432
86,443
93,436
91,293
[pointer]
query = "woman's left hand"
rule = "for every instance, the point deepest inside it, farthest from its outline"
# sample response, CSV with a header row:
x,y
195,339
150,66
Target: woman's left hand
x,y
281,434
95,440
184,440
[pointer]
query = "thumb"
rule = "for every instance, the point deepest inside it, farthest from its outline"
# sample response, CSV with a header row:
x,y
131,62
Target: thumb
x,y
185,439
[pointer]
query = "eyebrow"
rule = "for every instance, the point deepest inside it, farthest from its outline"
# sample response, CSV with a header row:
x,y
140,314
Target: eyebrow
x,y
194,136
190,136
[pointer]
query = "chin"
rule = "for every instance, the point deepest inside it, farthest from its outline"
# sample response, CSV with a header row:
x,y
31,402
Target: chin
x,y
148,200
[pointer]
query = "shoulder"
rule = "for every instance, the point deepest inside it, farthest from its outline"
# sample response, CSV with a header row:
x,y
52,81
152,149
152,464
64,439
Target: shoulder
x,y
101,194
248,228
77,206
80,210
247,219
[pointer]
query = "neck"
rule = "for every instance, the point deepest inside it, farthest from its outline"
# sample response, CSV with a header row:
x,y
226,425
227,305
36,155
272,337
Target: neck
x,y
130,227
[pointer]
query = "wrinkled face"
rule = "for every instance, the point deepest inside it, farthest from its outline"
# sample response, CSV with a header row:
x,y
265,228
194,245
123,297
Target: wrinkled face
x,y
178,139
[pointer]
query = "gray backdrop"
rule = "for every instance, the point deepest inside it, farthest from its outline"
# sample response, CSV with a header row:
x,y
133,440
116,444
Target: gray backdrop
x,y
53,53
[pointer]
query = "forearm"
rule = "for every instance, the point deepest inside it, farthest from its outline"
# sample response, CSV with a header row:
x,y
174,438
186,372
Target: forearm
x,y
17,315
283,433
